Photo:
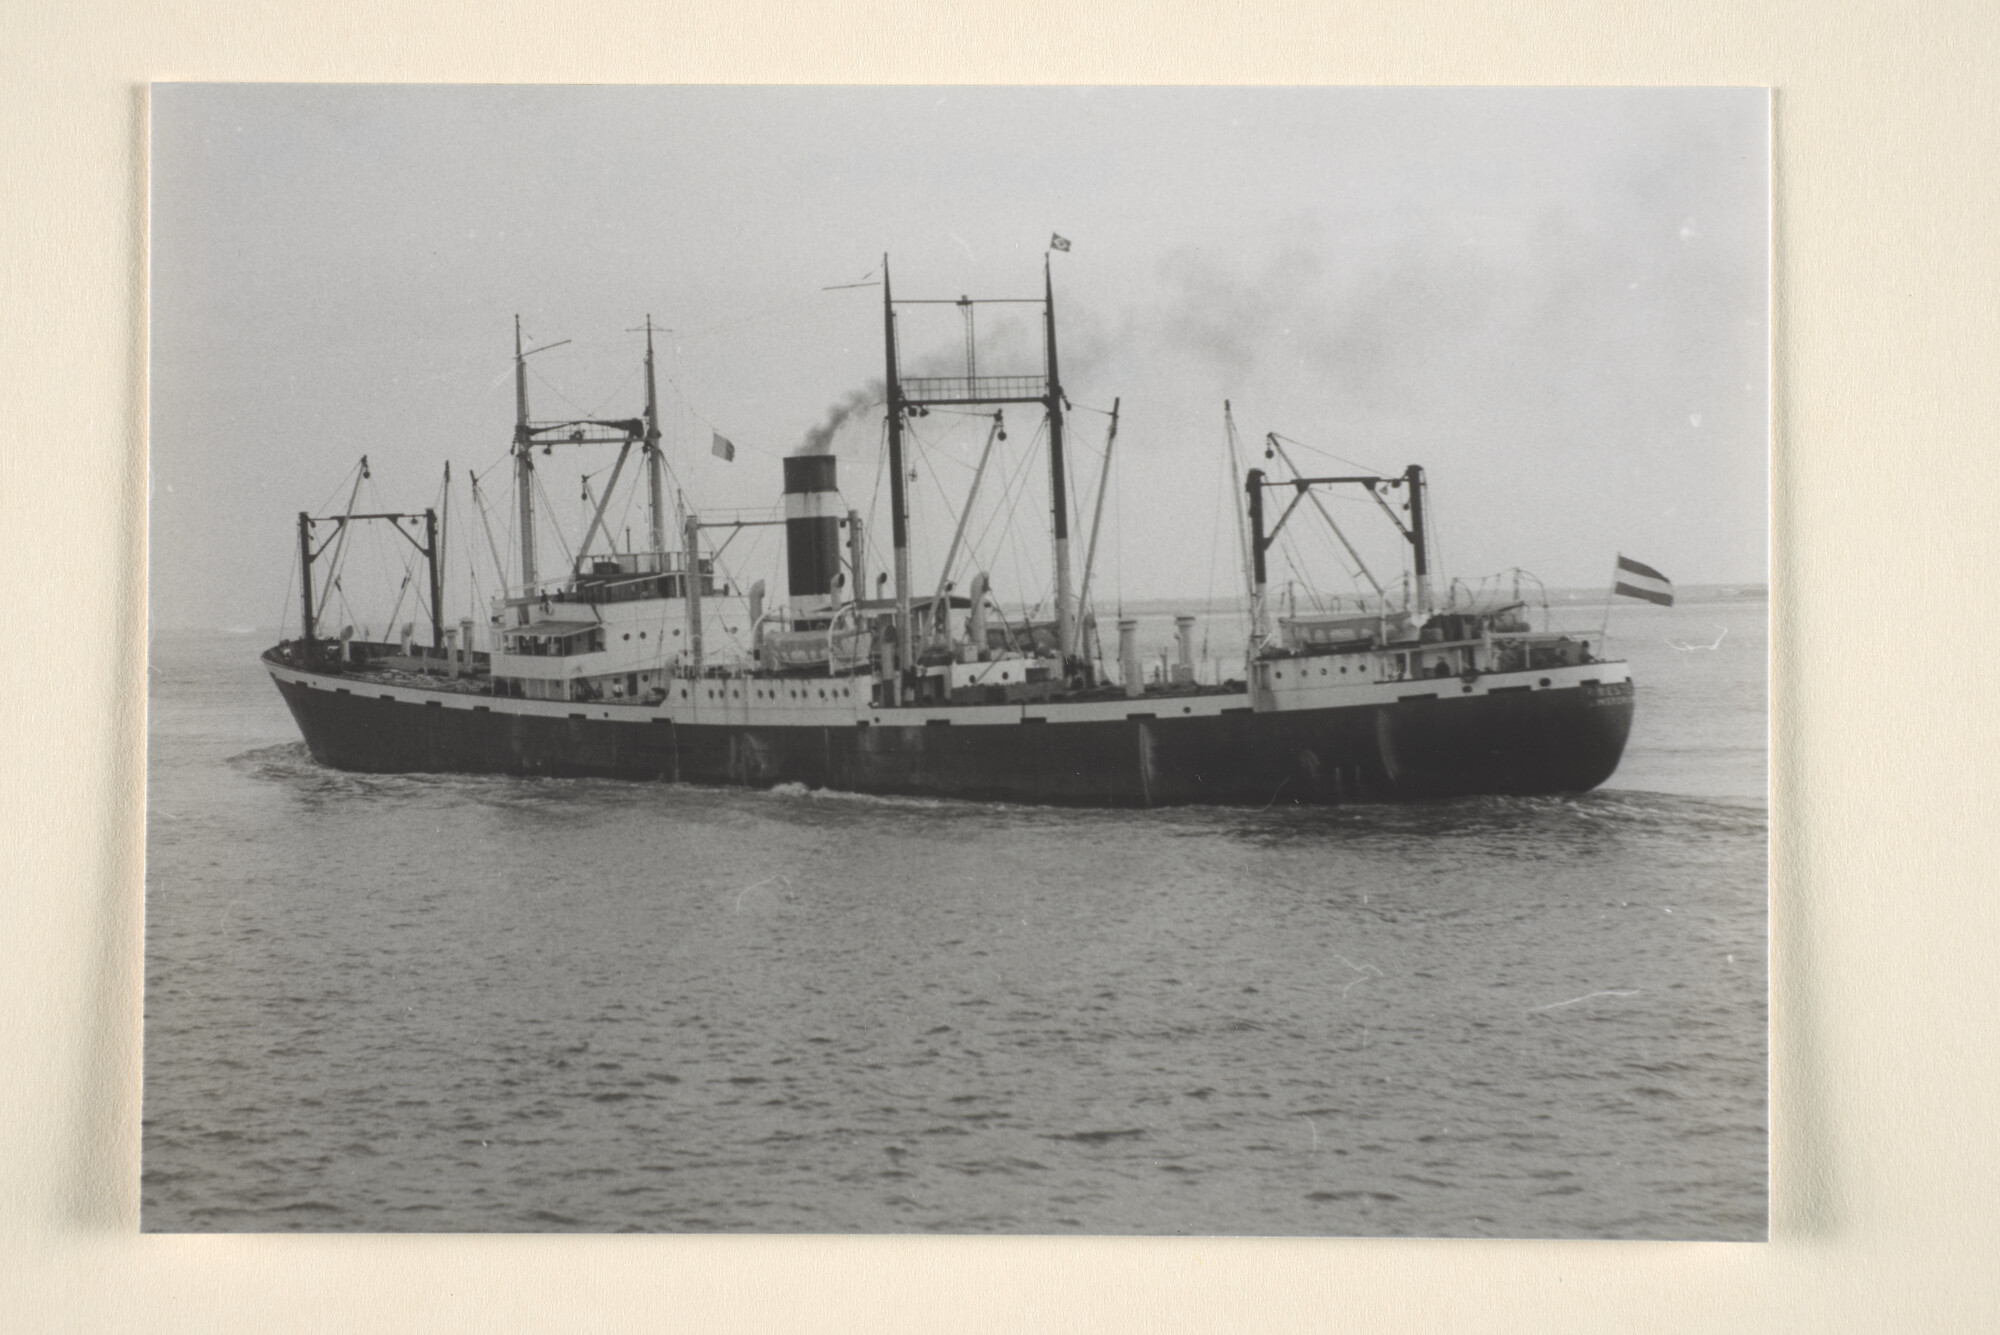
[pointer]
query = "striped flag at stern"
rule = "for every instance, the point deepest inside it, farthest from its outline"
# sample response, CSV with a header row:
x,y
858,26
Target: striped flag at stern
x,y
1632,579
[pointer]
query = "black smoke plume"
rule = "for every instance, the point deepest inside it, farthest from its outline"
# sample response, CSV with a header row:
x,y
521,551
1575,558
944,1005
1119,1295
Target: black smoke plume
x,y
820,439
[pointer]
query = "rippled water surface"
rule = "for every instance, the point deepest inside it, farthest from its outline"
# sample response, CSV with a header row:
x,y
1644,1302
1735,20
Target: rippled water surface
x,y
443,1003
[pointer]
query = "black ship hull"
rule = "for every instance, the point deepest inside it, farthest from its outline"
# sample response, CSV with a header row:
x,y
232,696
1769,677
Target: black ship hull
x,y
1504,741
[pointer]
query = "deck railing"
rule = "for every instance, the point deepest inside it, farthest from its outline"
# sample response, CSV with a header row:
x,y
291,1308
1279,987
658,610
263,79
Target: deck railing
x,y
975,389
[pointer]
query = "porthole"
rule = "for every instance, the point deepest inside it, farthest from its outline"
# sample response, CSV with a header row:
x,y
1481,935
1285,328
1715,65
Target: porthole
x,y
1545,681
642,634
1322,672
628,634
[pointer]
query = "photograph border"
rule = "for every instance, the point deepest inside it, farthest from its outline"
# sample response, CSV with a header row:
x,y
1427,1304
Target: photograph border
x,y
1867,1219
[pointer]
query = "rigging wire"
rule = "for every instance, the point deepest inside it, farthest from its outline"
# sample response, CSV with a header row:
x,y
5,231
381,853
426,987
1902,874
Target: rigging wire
x,y
555,526
625,516
919,458
688,407
1012,488
1118,547
1007,480
285,608
1300,568
1115,480
478,607
1244,556
486,524
924,457
443,542
513,537
341,485
349,618
401,592
871,530
1011,533
598,411
556,390
737,321
1216,509
1430,534
1328,454
374,541
338,562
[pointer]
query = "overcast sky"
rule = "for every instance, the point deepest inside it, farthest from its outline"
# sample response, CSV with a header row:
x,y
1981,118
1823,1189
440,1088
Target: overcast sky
x,y
1554,300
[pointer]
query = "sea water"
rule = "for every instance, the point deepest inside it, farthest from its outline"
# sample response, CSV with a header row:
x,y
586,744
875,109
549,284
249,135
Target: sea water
x,y
447,1004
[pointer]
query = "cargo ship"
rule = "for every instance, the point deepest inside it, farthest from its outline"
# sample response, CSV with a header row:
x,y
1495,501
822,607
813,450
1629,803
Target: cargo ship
x,y
650,663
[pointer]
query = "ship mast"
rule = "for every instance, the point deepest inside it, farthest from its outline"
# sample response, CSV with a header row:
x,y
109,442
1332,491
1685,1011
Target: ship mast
x,y
1413,478
921,393
899,513
655,466
524,463
1058,482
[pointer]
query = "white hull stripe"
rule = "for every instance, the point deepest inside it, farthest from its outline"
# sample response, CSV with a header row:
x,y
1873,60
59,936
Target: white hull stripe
x,y
856,709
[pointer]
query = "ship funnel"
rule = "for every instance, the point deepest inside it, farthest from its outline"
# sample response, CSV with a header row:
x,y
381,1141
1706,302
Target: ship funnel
x,y
812,531
1184,633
